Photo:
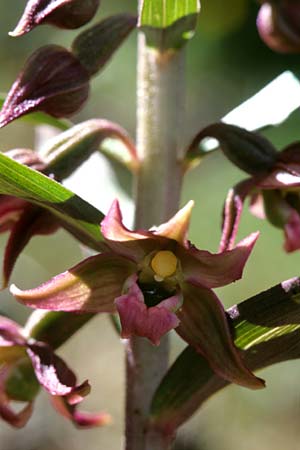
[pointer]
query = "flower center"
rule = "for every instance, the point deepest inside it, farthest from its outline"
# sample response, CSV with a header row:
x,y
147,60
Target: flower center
x,y
164,264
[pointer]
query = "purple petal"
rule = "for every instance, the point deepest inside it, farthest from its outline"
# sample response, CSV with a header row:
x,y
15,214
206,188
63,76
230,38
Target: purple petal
x,y
204,325
139,320
232,212
91,286
10,210
215,270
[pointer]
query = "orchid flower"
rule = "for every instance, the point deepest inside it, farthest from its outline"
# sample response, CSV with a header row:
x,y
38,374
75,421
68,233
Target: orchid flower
x,y
157,281
274,195
26,363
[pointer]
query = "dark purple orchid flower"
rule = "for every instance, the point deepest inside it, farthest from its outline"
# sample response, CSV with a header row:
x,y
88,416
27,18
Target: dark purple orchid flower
x,y
51,372
156,280
274,195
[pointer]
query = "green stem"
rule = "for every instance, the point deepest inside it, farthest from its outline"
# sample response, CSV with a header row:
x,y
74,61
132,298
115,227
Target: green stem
x,y
158,185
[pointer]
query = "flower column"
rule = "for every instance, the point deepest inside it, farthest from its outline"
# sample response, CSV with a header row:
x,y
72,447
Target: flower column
x,y
160,112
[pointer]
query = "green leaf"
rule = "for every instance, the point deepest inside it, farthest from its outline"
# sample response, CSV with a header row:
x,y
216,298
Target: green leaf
x,y
76,215
267,331
40,118
169,24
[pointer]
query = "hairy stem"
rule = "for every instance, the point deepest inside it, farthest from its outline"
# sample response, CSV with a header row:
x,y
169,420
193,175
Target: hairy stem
x,y
157,192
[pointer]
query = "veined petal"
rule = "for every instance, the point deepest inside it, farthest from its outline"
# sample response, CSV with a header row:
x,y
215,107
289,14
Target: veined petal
x,y
79,418
90,286
176,228
11,341
139,320
204,325
215,270
131,244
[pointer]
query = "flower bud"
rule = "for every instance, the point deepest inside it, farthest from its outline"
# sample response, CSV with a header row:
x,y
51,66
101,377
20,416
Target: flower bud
x,y
249,151
52,81
95,46
68,14
278,24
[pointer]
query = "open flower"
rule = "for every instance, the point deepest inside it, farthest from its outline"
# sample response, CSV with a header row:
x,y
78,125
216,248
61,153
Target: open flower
x,y
274,195
26,363
156,280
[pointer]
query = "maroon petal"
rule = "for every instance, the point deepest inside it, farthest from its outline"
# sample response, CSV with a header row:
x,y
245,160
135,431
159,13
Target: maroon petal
x,y
80,419
32,221
204,325
281,178
139,320
232,212
215,270
53,81
91,286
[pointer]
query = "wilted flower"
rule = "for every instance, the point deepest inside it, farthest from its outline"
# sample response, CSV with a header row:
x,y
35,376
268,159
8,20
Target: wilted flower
x,y
156,280
26,363
274,195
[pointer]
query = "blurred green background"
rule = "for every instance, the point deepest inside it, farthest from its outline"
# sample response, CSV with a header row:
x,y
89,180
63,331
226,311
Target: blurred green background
x,y
226,64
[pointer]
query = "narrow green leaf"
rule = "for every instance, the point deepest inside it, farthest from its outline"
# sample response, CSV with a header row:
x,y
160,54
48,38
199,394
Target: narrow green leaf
x,y
76,215
169,24
40,118
266,329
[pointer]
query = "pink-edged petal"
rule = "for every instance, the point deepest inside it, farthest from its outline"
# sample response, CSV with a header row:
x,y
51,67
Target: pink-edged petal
x,y
90,286
232,212
292,232
32,221
139,320
215,270
52,372
204,325
176,228
132,244
79,418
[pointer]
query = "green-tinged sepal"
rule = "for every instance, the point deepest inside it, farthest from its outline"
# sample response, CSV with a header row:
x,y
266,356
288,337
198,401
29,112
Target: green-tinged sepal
x,y
168,25
95,46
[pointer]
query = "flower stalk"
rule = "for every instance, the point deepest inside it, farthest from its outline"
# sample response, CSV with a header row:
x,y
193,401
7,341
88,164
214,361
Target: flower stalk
x,y
160,111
